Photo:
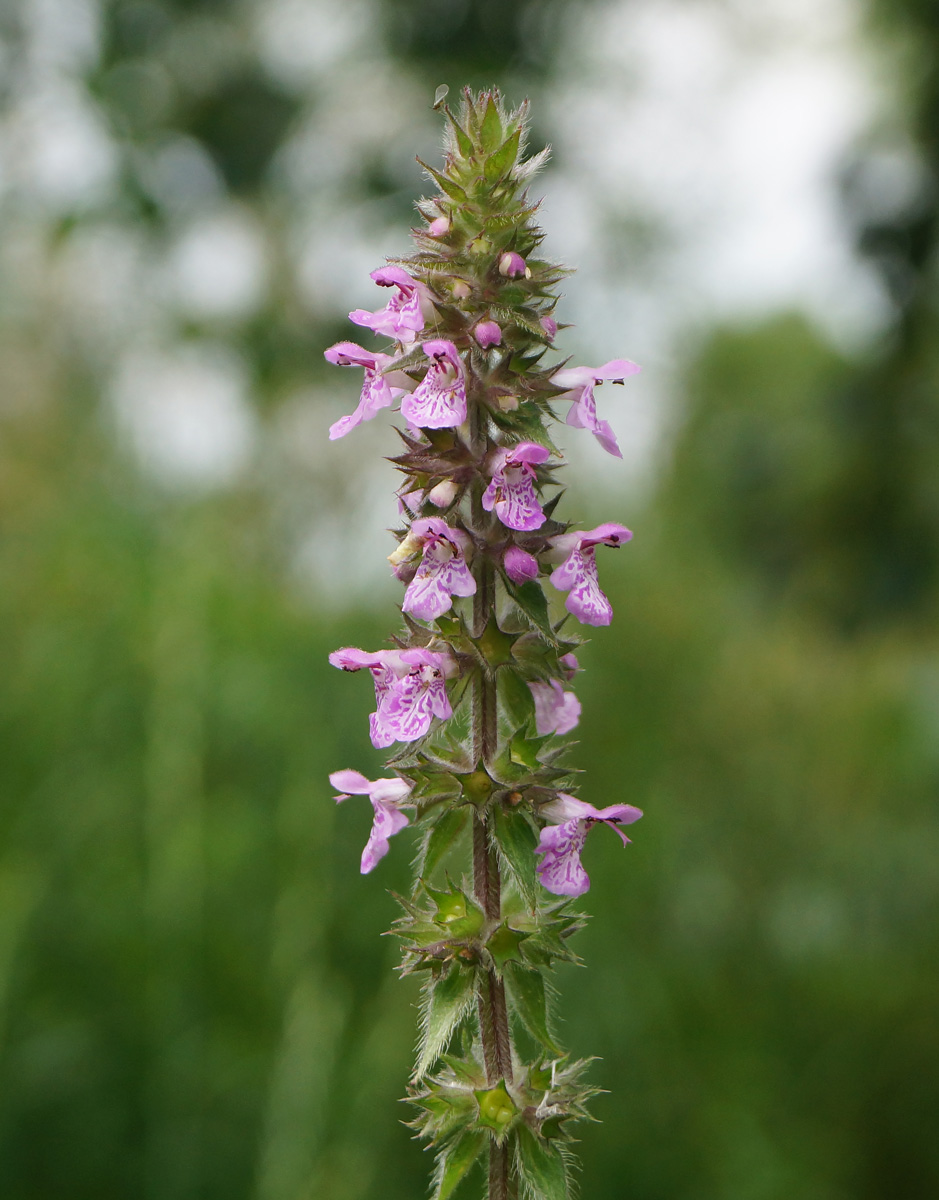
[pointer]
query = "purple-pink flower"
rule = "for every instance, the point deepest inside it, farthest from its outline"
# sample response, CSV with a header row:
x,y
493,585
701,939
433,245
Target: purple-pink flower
x,y
377,392
550,326
410,690
511,491
488,333
439,400
402,318
388,819
443,572
520,566
512,264
561,843
577,575
580,382
556,710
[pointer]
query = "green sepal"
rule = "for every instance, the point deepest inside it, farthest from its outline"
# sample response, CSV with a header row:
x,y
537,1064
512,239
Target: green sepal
x,y
442,835
541,1167
445,1002
490,128
504,945
516,699
532,601
463,139
431,784
516,841
497,1110
528,990
466,1070
501,161
446,1110
457,913
455,1161
526,751
453,190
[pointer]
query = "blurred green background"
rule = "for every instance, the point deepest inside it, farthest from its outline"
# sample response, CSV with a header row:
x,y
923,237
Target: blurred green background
x,y
194,999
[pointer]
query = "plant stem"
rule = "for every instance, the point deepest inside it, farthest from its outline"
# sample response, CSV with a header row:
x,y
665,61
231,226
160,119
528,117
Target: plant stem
x,y
487,886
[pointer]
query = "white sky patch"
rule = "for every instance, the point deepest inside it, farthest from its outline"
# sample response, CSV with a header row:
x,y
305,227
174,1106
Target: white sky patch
x,y
64,158
724,129
186,414
299,39
218,266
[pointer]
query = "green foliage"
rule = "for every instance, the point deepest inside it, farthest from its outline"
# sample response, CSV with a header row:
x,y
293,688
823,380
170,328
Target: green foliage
x,y
541,1168
445,1002
456,1160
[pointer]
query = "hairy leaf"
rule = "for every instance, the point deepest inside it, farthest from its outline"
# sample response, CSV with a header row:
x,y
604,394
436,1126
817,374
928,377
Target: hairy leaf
x,y
455,1161
490,129
445,831
531,600
445,1003
516,841
503,159
516,698
541,1168
528,990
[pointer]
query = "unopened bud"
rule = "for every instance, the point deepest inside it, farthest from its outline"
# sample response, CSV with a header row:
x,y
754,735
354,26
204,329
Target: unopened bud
x,y
461,289
487,333
439,227
508,403
443,494
569,665
550,326
520,566
512,264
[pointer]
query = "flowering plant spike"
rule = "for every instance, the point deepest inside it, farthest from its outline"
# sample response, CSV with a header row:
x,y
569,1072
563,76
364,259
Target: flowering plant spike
x,y
474,695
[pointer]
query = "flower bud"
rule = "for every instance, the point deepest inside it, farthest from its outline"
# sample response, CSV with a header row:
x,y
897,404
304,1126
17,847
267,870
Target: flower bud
x,y
520,566
461,289
550,326
569,665
443,495
508,403
487,333
512,264
439,227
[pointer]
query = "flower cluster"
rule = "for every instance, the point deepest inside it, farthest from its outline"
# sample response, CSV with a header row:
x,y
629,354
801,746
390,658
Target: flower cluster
x,y
475,694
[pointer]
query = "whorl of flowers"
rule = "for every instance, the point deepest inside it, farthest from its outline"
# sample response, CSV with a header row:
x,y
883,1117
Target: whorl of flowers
x,y
474,695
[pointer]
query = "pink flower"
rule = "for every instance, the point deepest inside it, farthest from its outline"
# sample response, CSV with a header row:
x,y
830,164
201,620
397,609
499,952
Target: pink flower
x,y
561,870
556,711
512,264
578,573
402,318
439,226
583,412
377,392
439,400
511,491
443,572
519,564
487,333
410,690
388,819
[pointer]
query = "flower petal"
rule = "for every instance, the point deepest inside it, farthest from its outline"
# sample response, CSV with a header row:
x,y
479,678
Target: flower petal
x,y
561,870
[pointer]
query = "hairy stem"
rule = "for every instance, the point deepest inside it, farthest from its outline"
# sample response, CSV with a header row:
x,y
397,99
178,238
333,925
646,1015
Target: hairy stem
x,y
487,887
